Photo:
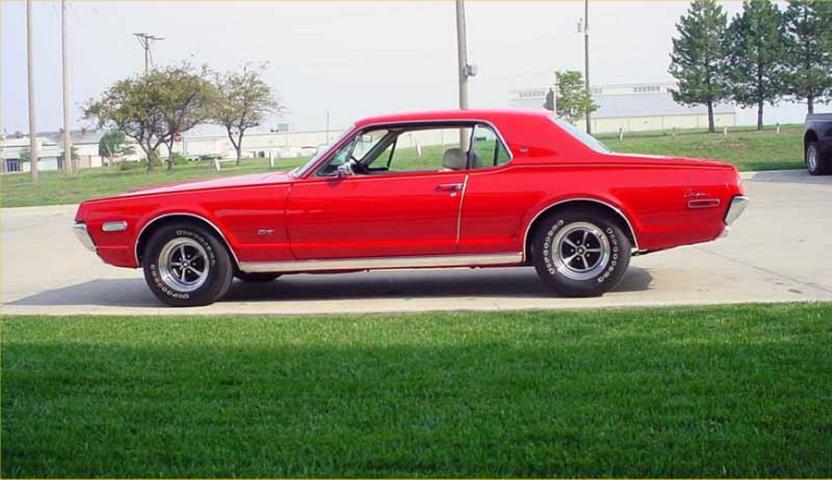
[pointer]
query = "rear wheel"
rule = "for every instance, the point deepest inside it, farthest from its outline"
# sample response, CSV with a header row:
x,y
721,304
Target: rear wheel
x,y
580,252
187,265
815,162
256,277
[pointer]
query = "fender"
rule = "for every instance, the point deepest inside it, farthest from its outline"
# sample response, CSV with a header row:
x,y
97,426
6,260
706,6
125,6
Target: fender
x,y
605,203
181,214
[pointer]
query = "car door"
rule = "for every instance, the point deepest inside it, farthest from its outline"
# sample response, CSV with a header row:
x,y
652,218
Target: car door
x,y
406,202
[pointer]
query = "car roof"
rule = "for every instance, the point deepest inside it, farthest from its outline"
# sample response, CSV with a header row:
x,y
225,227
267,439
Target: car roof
x,y
488,115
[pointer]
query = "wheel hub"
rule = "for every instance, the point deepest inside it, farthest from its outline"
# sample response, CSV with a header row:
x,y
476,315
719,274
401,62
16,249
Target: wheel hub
x,y
580,251
183,264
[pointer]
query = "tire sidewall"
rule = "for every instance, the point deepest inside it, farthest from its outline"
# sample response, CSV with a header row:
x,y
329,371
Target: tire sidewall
x,y
219,273
606,279
820,164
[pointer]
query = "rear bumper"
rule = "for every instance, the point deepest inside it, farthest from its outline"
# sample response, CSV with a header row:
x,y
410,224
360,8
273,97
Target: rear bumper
x,y
83,235
736,208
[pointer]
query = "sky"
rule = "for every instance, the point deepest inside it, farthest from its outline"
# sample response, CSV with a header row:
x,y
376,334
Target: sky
x,y
353,59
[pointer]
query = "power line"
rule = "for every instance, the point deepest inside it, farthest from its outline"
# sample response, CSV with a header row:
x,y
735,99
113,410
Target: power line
x,y
146,41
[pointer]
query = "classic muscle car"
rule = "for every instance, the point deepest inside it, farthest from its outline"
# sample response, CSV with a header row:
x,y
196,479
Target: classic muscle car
x,y
474,188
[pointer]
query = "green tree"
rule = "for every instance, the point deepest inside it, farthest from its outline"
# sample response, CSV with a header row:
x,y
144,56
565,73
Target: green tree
x,y
25,155
113,144
243,101
697,61
153,108
134,107
186,100
755,45
808,46
573,99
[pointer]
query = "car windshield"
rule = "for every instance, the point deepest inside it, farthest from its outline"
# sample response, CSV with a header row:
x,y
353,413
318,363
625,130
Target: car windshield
x,y
302,170
584,137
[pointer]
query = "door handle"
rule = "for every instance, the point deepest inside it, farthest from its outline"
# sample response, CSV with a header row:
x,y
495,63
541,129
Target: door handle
x,y
453,187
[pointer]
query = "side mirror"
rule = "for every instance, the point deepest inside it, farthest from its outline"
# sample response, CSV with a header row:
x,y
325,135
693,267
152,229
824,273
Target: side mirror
x,y
344,170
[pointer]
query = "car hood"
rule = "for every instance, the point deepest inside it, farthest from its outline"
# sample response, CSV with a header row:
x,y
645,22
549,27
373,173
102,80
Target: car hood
x,y
213,183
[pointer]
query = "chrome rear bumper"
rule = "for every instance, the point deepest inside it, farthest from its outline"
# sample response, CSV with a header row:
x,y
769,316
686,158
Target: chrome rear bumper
x,y
80,230
738,205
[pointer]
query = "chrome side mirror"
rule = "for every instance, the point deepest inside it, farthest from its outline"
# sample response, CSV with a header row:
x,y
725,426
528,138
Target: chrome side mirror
x,y
344,170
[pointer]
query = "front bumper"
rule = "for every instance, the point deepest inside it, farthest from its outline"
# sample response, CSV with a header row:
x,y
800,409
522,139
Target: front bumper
x,y
83,235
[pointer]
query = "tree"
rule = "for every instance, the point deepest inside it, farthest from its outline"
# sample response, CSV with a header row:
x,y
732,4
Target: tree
x,y
243,101
808,47
74,154
755,46
697,61
154,108
186,97
573,99
113,144
133,107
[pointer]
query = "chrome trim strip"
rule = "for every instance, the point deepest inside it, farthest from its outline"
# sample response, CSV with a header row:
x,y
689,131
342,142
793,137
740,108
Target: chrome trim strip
x,y
459,214
83,235
578,199
181,214
736,208
116,226
381,263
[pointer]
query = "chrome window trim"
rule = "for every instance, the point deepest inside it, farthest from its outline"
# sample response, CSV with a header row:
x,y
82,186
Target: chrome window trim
x,y
356,130
181,214
578,199
80,229
384,263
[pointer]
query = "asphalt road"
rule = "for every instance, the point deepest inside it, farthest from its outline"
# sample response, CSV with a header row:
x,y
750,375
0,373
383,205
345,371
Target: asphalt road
x,y
778,251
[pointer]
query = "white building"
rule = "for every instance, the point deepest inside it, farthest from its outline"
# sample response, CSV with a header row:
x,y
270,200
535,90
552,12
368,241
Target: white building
x,y
634,107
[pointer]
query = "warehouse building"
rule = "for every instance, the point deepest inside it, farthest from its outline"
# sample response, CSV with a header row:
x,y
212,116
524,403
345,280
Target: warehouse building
x,y
635,107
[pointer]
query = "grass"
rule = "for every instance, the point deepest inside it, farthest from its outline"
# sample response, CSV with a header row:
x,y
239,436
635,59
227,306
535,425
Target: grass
x,y
747,149
729,391
54,188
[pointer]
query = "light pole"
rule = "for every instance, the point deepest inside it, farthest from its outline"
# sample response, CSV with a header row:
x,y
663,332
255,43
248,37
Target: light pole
x,y
586,61
68,167
465,70
34,155
146,40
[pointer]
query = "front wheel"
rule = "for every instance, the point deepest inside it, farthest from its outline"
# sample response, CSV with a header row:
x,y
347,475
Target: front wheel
x,y
186,265
580,252
815,163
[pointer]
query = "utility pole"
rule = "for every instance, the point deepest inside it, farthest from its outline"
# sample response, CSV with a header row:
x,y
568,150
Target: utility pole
x,y
146,40
68,166
34,155
586,61
465,70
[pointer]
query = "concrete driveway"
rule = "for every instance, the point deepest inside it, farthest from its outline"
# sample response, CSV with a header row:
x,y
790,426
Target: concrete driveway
x,y
778,251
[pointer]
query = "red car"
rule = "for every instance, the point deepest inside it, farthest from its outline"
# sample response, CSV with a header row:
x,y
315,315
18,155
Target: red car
x,y
475,188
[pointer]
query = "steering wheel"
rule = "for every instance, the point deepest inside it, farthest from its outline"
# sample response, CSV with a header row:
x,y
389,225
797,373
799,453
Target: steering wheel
x,y
358,167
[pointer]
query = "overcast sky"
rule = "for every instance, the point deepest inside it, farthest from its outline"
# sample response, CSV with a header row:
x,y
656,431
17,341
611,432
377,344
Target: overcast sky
x,y
353,58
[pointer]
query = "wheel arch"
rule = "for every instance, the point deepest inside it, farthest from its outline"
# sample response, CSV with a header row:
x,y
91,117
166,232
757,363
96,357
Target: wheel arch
x,y
593,203
808,137
169,218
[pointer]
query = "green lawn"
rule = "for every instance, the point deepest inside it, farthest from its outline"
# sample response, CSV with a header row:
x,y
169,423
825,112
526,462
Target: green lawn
x,y
731,391
54,188
748,149
745,148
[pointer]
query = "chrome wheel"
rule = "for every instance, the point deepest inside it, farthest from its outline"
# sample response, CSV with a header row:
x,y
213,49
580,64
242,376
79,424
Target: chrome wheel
x,y
183,264
580,251
812,158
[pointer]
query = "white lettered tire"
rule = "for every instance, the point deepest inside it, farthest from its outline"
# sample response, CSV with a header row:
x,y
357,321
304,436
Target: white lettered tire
x,y
186,265
580,252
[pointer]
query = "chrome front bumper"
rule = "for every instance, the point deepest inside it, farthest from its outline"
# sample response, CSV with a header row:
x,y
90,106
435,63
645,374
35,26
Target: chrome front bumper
x,y
80,230
738,205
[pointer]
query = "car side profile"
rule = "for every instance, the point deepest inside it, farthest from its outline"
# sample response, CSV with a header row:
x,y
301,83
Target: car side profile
x,y
473,188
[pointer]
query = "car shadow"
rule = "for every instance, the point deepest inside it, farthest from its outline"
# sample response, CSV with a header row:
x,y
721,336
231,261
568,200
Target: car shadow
x,y
788,176
402,285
